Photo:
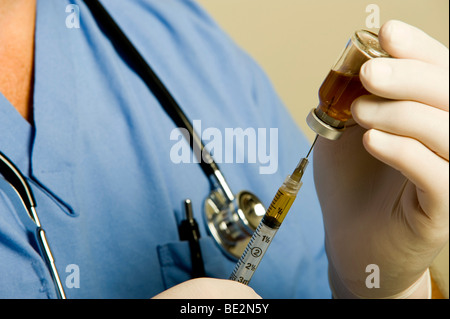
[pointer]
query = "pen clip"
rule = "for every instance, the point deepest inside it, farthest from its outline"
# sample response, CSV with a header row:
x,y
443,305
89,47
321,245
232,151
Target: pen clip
x,y
189,231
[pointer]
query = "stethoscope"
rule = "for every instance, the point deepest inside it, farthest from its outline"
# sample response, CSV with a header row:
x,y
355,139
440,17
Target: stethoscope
x,y
231,219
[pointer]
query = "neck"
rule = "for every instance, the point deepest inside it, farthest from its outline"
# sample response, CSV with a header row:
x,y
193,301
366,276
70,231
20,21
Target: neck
x,y
17,19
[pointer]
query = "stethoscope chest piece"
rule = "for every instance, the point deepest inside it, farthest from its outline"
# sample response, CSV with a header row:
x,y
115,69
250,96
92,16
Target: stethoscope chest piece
x,y
233,223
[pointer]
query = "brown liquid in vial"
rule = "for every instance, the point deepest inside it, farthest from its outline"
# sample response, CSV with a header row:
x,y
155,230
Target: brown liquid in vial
x,y
337,93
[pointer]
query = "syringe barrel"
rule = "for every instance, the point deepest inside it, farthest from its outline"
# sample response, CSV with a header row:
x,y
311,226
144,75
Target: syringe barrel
x,y
342,85
253,254
265,232
282,202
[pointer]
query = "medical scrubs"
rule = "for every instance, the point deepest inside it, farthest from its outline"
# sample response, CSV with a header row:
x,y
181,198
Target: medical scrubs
x,y
97,157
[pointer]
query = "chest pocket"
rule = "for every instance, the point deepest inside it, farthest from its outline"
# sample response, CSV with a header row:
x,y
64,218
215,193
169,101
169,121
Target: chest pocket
x,y
176,265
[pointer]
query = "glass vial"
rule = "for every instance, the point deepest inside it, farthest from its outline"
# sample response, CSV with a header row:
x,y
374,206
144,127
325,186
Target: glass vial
x,y
342,85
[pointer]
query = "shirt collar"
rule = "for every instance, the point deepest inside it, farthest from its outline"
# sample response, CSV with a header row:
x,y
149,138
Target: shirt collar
x,y
55,119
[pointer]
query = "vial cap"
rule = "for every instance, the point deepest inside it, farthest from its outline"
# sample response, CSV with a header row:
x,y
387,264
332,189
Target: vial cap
x,y
322,128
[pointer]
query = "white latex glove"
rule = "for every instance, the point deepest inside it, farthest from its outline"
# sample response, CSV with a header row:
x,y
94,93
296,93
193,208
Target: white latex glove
x,y
209,288
384,186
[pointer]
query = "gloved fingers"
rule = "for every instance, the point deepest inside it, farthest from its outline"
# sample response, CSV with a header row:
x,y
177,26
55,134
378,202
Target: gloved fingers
x,y
402,40
430,173
426,124
403,79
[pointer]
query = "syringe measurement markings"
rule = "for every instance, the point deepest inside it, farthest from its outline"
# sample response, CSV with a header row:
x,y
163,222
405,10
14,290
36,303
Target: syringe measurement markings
x,y
275,200
280,208
272,204
249,262
249,245
269,225
253,254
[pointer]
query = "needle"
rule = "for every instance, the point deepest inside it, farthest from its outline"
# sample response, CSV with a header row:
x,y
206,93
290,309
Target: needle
x,y
300,169
315,140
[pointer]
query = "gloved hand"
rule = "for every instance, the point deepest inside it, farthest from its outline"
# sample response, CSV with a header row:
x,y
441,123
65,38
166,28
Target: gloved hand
x,y
384,186
209,288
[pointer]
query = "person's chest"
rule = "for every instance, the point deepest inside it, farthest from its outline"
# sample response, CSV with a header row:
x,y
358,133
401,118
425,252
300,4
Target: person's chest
x,y
17,57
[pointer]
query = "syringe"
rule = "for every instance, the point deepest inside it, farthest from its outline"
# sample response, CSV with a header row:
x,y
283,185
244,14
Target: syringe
x,y
270,223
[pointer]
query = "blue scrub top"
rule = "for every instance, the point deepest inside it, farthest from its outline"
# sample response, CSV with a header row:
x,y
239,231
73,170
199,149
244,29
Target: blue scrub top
x,y
98,159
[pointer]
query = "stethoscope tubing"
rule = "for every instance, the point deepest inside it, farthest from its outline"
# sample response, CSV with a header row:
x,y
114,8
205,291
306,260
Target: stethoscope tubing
x,y
135,60
137,63
14,176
